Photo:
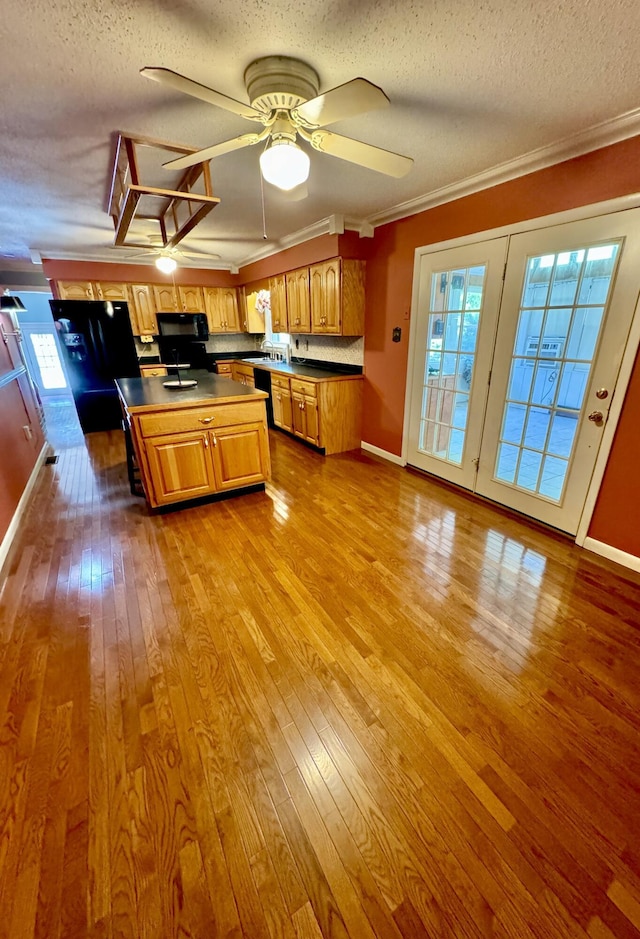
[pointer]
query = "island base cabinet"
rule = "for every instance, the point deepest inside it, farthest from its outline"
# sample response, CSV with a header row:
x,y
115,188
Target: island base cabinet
x,y
180,467
240,456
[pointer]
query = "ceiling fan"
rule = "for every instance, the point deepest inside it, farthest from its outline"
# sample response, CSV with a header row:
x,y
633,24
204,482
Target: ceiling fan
x,y
283,92
167,259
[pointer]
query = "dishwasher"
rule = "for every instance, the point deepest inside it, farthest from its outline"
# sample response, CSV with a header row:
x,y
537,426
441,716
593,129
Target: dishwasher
x,y
262,379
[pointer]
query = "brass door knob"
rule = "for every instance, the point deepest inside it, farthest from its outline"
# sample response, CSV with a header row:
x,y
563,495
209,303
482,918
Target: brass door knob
x,y
597,417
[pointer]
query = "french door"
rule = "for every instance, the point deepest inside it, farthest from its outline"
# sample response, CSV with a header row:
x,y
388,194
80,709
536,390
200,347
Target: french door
x,y
459,298
512,381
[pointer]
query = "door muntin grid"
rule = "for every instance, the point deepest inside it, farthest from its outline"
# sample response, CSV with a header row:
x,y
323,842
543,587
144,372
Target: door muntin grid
x,y
456,300
562,309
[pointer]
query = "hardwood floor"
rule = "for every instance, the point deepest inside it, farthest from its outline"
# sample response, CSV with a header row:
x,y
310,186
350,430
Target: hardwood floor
x,y
357,705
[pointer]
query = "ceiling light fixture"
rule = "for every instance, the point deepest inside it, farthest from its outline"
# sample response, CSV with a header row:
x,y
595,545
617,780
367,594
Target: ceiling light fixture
x,y
9,304
165,264
284,164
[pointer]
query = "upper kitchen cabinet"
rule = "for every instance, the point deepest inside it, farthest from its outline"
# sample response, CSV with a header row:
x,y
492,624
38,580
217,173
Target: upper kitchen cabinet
x,y
221,307
74,290
191,299
251,318
278,291
109,290
141,310
298,300
337,297
166,298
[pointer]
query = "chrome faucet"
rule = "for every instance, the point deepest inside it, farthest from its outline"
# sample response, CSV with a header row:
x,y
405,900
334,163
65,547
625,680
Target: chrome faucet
x,y
266,343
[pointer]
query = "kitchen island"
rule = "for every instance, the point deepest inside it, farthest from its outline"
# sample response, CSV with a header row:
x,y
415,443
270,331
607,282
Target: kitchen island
x,y
196,442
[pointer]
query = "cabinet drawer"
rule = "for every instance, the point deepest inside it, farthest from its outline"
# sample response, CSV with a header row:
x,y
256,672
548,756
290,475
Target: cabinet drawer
x,y
244,370
205,418
280,382
223,368
303,387
148,371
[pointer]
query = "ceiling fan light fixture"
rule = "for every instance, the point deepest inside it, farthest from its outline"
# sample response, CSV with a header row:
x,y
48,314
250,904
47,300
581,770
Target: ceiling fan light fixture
x,y
165,264
284,164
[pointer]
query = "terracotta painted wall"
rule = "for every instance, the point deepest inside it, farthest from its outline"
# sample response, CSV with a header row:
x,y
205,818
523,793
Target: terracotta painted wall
x,y
616,519
134,273
17,410
597,176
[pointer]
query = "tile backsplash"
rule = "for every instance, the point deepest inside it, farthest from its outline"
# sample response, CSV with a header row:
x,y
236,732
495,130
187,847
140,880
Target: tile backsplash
x,y
234,342
346,349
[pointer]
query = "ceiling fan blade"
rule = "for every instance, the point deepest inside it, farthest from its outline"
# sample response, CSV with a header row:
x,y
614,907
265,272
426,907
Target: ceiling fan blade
x,y
374,158
218,149
354,97
200,257
173,80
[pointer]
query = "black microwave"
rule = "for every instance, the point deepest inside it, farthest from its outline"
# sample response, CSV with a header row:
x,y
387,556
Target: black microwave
x,y
183,325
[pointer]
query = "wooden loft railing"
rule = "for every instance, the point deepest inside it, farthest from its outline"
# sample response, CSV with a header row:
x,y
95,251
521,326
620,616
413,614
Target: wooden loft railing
x,y
180,209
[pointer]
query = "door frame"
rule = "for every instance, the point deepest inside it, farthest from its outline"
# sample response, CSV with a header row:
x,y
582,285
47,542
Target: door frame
x,y
628,356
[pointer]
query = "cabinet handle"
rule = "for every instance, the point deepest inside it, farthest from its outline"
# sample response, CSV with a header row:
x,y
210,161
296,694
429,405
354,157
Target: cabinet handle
x,y
206,441
215,440
205,420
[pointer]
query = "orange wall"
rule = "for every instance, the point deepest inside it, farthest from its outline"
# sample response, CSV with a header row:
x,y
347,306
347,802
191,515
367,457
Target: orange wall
x,y
597,176
310,252
133,273
616,519
17,410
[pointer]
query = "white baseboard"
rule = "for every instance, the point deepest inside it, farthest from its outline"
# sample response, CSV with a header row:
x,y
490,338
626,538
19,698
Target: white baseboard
x,y
612,554
22,506
377,451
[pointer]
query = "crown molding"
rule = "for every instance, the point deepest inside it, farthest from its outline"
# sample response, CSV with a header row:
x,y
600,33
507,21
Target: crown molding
x,y
140,262
331,225
600,135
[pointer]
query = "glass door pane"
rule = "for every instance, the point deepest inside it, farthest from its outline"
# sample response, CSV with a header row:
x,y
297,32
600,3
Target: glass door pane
x,y
561,312
459,295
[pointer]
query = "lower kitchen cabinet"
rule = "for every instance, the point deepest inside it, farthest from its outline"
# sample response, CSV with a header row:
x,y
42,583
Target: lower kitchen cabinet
x,y
180,467
281,402
240,455
327,414
304,407
243,374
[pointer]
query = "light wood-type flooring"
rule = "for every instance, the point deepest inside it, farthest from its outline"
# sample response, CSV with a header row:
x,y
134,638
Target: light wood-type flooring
x,y
357,705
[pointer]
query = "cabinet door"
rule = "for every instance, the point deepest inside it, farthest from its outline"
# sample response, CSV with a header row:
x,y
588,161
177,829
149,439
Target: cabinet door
x,y
298,301
305,418
165,297
74,290
317,297
332,297
231,314
143,317
180,466
282,410
240,455
253,319
214,308
278,291
191,299
110,291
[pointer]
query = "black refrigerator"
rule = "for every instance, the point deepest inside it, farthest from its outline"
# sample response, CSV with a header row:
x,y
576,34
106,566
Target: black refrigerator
x,y
97,345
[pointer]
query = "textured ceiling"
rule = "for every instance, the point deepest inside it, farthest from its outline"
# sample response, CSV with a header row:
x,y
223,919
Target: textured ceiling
x,y
472,84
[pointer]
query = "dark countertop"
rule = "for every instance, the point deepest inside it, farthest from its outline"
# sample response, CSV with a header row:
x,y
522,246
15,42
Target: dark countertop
x,y
150,394
296,369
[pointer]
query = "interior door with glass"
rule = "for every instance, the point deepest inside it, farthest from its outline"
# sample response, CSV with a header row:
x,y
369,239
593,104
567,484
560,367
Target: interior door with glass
x,y
458,300
569,297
